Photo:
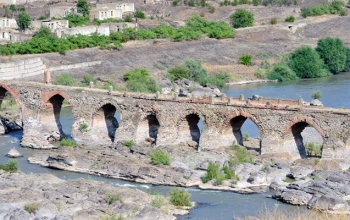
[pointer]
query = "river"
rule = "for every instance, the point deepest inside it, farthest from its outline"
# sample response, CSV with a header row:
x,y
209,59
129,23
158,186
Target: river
x,y
335,92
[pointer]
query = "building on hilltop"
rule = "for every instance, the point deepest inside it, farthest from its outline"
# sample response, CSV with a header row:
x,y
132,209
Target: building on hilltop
x,y
111,10
52,24
105,13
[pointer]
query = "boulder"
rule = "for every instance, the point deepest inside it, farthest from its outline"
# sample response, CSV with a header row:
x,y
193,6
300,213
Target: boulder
x,y
300,173
203,166
327,203
13,153
18,214
316,102
291,196
257,178
183,92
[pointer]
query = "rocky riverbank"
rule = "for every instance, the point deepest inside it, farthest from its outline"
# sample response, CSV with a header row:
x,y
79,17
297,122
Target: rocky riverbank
x,y
44,196
188,167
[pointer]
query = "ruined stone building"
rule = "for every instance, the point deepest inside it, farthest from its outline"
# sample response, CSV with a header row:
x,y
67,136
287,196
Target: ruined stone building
x,y
62,11
112,10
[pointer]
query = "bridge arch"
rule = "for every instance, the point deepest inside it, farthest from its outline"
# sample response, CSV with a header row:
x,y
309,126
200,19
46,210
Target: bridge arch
x,y
306,145
46,96
148,127
14,93
189,125
235,121
51,114
5,89
104,120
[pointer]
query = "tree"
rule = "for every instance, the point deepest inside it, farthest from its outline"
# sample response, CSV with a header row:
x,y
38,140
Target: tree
x,y
306,63
242,18
140,14
246,60
316,95
347,63
178,72
197,72
333,53
6,11
84,7
23,21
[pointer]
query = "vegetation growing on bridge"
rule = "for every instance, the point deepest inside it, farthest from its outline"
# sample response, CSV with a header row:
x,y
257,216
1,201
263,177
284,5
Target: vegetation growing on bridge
x,y
45,42
330,56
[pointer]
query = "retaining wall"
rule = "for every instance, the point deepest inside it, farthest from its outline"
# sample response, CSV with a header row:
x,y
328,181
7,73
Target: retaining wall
x,y
22,68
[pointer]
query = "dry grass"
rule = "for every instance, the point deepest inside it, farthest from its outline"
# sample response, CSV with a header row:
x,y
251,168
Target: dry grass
x,y
301,214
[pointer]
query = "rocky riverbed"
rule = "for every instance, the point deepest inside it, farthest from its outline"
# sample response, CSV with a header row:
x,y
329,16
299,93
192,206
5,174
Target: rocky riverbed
x,y
44,196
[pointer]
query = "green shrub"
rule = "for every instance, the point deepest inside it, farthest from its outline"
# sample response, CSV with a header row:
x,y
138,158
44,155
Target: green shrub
x,y
347,62
76,20
43,32
159,157
139,80
87,78
313,149
316,95
83,127
246,136
246,60
333,7
180,197
213,172
175,2
333,52
112,198
11,166
306,63
261,73
282,72
108,20
211,9
273,21
31,207
64,79
128,18
256,2
242,156
65,142
129,144
290,19
178,72
344,12
112,217
197,72
242,18
140,14
218,79
158,201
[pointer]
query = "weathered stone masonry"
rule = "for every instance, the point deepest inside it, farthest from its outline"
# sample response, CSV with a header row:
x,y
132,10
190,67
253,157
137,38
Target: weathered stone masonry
x,y
171,120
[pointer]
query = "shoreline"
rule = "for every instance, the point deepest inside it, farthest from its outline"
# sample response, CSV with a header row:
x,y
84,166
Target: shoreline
x,y
250,82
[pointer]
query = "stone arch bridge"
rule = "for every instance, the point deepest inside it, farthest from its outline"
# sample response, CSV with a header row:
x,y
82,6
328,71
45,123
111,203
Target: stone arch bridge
x,y
171,120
